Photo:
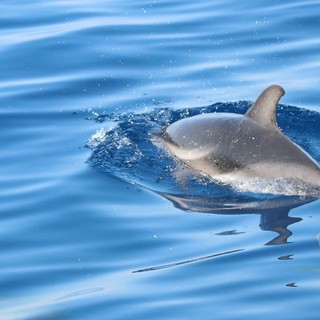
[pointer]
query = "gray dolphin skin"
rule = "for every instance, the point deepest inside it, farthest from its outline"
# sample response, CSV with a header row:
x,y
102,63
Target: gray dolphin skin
x,y
229,146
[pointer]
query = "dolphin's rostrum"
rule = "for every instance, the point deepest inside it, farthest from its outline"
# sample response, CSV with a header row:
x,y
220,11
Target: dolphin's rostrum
x,y
228,146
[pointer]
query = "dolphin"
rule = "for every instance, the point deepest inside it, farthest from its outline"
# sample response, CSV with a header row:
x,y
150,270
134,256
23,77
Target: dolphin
x,y
228,146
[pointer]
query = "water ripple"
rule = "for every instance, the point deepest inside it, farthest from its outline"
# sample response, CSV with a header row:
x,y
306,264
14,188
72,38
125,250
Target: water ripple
x,y
72,236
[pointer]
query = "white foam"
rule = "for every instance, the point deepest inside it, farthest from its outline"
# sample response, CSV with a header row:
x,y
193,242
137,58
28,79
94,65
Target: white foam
x,y
288,187
97,138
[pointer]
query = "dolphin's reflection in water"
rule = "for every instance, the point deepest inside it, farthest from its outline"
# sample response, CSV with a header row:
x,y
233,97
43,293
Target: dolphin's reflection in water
x,y
274,212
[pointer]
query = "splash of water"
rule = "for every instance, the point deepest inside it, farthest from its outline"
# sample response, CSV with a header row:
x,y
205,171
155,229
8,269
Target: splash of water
x,y
124,147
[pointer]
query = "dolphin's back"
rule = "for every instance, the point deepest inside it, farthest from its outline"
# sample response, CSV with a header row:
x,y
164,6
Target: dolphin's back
x,y
223,142
205,131
240,146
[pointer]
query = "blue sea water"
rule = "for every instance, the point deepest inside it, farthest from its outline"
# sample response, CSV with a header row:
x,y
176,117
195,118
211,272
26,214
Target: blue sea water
x,y
93,224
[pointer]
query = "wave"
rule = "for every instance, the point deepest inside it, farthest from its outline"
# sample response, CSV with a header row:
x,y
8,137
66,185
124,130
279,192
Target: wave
x,y
125,147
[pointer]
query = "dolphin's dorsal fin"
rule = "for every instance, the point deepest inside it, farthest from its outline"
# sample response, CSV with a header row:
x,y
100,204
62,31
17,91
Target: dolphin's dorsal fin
x,y
264,109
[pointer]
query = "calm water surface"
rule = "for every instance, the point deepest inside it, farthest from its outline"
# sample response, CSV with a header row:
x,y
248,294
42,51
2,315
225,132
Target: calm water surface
x,y
106,232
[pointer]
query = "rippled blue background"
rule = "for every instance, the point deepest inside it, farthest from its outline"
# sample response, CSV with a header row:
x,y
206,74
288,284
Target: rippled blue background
x,y
71,236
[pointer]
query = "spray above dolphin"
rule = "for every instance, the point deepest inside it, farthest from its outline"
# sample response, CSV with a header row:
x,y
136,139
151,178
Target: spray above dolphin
x,y
228,146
